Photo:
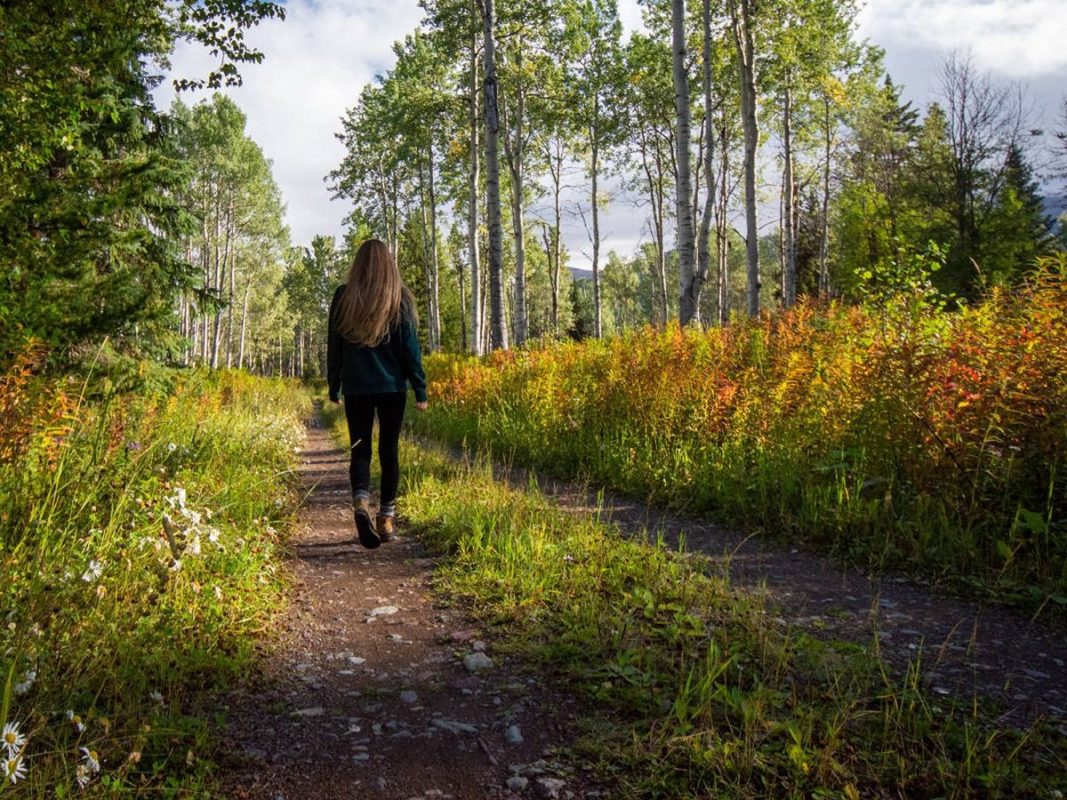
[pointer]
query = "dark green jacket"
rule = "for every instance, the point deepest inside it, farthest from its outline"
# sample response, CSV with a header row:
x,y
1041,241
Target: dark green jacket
x,y
388,367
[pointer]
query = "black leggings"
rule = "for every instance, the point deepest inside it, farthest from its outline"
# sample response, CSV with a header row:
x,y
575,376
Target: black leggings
x,y
359,411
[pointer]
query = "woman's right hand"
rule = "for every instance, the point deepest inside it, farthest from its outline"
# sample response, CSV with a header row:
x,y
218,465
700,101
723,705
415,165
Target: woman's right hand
x,y
422,406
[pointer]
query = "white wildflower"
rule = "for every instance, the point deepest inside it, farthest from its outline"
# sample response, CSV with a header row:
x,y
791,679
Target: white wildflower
x,y
175,565
171,447
192,516
14,768
76,721
193,546
90,759
93,571
218,593
157,697
23,686
13,740
83,775
213,535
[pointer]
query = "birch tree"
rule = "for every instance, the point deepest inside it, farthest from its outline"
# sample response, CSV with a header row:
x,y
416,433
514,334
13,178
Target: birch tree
x,y
689,280
742,15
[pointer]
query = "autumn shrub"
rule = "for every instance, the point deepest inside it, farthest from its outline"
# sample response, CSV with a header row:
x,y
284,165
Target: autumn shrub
x,y
138,560
900,434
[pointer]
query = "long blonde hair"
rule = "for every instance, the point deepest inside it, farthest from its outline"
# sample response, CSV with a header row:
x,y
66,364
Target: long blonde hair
x,y
374,298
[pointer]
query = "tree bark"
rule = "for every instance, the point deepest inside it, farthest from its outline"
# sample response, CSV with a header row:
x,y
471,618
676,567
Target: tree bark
x,y
741,12
824,238
552,243
722,238
472,208
789,271
498,323
514,152
595,167
244,321
704,236
689,292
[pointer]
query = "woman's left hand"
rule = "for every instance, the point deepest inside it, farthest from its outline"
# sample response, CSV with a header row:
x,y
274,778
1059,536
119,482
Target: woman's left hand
x,y
422,406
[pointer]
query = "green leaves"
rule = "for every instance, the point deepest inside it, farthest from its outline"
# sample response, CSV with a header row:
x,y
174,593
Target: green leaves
x,y
88,215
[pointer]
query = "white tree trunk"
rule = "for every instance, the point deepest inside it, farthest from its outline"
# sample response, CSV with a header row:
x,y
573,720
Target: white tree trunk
x,y
498,323
689,293
472,209
741,11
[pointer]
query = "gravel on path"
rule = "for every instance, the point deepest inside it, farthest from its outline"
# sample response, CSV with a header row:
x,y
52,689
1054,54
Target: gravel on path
x,y
366,693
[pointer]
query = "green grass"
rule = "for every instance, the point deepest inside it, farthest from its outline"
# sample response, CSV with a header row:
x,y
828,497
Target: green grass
x,y
126,630
692,689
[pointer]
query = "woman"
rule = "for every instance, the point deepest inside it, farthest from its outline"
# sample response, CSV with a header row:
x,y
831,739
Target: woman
x,y
372,354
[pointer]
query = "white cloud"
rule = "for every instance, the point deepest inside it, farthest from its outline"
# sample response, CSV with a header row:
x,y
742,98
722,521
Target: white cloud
x,y
1017,38
316,62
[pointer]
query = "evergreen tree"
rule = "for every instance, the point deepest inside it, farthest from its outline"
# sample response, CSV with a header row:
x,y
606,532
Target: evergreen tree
x,y
1018,230
88,182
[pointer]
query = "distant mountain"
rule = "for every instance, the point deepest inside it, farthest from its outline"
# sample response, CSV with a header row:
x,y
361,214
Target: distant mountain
x,y
578,274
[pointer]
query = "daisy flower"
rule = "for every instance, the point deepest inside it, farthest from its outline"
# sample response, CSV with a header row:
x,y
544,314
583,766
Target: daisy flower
x,y
76,721
90,759
93,571
14,769
83,776
171,447
26,683
13,740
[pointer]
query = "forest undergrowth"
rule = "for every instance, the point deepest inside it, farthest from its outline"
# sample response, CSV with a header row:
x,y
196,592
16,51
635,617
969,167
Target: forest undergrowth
x,y
898,435
140,520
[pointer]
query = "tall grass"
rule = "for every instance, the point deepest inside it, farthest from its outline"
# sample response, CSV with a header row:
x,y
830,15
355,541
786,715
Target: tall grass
x,y
138,538
692,689
902,435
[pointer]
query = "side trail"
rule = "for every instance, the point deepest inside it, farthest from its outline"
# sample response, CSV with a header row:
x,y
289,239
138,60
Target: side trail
x,y
964,648
374,691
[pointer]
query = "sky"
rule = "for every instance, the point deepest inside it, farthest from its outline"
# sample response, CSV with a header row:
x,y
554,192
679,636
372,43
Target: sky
x,y
318,59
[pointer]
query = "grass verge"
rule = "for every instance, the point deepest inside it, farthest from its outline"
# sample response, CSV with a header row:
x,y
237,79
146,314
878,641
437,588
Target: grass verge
x,y
139,536
694,691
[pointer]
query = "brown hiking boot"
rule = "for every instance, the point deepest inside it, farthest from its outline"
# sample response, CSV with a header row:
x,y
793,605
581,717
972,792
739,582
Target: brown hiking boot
x,y
368,537
384,524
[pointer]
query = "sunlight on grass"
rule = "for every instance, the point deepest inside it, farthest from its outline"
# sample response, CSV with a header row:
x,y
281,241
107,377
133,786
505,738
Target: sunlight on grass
x,y
139,563
694,689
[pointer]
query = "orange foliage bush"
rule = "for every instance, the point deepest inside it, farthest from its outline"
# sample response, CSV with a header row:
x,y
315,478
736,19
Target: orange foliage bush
x,y
30,405
904,432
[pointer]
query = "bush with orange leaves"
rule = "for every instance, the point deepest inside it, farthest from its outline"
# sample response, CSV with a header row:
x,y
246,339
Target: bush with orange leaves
x,y
31,405
900,436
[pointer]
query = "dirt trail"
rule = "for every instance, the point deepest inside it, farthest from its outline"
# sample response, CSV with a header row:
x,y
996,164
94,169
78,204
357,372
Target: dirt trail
x,y
368,695
966,647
